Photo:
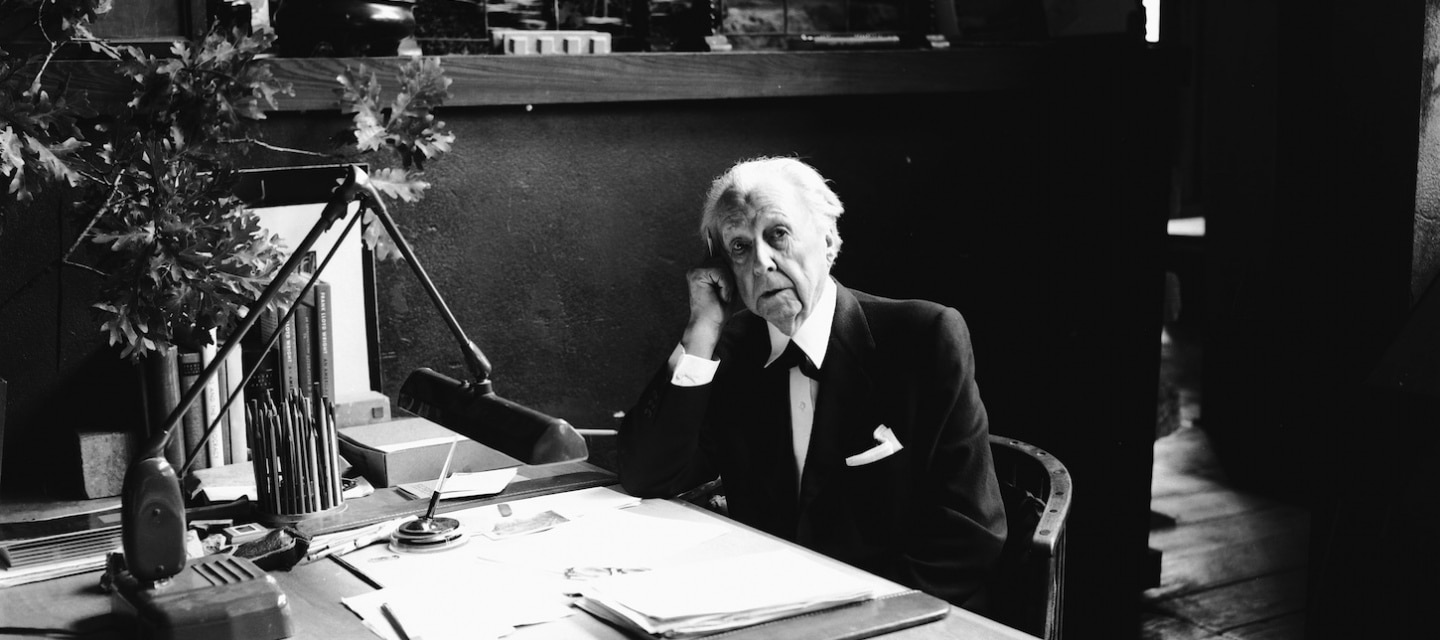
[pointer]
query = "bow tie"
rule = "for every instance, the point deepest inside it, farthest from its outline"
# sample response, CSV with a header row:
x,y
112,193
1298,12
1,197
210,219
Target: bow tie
x,y
794,357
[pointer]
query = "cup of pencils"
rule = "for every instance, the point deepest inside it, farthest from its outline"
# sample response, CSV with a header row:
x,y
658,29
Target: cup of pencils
x,y
294,452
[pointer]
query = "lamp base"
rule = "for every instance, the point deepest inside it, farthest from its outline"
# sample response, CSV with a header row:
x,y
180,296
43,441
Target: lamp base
x,y
427,534
214,598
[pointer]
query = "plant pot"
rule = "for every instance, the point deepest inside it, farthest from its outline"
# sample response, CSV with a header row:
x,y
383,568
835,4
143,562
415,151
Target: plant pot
x,y
306,28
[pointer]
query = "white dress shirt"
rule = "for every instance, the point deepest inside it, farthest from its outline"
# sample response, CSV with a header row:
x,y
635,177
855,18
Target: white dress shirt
x,y
812,336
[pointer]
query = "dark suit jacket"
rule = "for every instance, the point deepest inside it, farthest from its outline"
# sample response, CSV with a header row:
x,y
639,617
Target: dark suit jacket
x,y
928,516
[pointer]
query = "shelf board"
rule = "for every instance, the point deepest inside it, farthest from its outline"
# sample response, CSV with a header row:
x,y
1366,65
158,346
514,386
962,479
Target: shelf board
x,y
488,80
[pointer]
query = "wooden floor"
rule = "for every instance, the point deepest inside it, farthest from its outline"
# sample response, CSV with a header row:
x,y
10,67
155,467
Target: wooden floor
x,y
1233,565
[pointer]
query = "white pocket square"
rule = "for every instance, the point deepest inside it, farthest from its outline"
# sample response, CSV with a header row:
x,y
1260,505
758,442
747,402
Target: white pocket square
x,y
886,444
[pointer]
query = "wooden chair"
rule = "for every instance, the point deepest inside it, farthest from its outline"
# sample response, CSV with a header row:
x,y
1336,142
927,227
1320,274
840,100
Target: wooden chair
x,y
1028,591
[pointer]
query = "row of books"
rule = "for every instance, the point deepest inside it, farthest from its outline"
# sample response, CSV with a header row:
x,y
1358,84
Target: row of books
x,y
170,371
300,363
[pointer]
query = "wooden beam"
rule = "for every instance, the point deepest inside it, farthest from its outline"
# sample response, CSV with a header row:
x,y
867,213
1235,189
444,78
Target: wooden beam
x,y
630,77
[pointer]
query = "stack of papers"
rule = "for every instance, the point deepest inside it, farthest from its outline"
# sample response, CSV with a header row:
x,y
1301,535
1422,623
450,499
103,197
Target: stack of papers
x,y
57,555
709,597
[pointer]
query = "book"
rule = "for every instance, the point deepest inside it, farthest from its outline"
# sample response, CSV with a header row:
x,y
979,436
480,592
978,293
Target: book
x,y
325,338
191,363
289,382
215,438
162,395
413,449
239,441
305,353
265,381
222,430
702,598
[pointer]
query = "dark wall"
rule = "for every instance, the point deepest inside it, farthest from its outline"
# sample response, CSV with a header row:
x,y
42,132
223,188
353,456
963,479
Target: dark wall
x,y
560,236
1310,123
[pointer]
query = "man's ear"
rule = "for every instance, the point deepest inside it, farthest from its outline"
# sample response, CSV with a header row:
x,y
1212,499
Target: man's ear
x,y
832,246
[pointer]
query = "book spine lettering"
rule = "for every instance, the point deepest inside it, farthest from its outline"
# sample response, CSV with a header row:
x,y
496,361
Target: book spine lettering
x,y
325,339
289,368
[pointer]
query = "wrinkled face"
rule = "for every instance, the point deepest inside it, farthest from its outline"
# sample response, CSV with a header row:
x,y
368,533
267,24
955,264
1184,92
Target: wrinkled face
x,y
780,254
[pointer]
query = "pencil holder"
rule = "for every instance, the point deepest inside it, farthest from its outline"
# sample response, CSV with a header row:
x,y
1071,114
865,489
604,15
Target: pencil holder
x,y
294,452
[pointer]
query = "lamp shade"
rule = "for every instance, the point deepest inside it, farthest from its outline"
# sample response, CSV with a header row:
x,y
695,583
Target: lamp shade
x,y
474,411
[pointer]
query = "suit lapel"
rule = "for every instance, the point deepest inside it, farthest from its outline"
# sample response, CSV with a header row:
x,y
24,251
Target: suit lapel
x,y
845,393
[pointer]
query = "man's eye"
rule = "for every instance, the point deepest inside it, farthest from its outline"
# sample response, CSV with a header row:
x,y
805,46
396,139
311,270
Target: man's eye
x,y
738,247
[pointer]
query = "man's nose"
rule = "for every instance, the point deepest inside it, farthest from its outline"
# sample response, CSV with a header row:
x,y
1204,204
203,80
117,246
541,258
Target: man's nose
x,y
764,258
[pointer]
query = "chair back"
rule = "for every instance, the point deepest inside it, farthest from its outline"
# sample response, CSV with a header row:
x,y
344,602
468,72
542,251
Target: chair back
x,y
1028,591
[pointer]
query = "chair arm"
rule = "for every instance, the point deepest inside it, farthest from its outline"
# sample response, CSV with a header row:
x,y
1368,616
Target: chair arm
x,y
1057,506
1050,529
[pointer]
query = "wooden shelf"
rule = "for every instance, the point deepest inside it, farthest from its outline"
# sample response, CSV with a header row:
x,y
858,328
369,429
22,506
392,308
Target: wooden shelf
x,y
630,77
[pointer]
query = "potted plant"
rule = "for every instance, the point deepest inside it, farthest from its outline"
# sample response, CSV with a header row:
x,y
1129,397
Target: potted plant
x,y
180,258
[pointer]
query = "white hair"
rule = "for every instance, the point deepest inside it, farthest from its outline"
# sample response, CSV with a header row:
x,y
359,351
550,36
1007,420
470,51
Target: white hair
x,y
751,183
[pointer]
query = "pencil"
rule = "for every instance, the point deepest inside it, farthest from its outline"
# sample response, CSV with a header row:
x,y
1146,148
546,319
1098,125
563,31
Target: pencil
x,y
311,457
332,435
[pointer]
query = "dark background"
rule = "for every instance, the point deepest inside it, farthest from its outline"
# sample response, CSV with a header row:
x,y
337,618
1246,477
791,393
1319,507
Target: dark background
x,y
559,235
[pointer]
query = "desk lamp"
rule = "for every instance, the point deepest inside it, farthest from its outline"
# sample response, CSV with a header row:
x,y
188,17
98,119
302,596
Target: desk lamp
x,y
232,596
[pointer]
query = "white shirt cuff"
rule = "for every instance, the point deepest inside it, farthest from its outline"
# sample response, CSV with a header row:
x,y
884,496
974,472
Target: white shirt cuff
x,y
690,371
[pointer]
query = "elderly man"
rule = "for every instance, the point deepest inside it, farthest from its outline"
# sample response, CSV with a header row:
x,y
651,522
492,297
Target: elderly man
x,y
845,422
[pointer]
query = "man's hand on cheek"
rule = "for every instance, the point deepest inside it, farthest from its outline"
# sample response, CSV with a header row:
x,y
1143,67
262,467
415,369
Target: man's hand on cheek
x,y
711,290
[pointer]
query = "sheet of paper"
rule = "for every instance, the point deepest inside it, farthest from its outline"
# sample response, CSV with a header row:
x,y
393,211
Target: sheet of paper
x,y
446,614
486,592
616,539
464,485
576,504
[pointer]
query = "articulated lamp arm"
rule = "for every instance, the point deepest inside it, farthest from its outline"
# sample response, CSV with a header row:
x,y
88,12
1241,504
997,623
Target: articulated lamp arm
x,y
152,508
472,408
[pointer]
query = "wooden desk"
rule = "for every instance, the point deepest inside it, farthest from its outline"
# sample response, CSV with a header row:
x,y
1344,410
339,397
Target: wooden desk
x,y
314,591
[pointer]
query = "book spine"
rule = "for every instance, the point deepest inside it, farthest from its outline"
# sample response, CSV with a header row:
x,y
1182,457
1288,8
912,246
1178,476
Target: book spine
x,y
222,430
305,343
191,363
264,382
215,444
239,449
325,339
162,389
289,368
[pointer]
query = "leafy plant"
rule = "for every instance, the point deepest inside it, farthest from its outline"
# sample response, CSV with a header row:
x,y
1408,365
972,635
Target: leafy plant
x,y
181,258
405,128
39,136
184,256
